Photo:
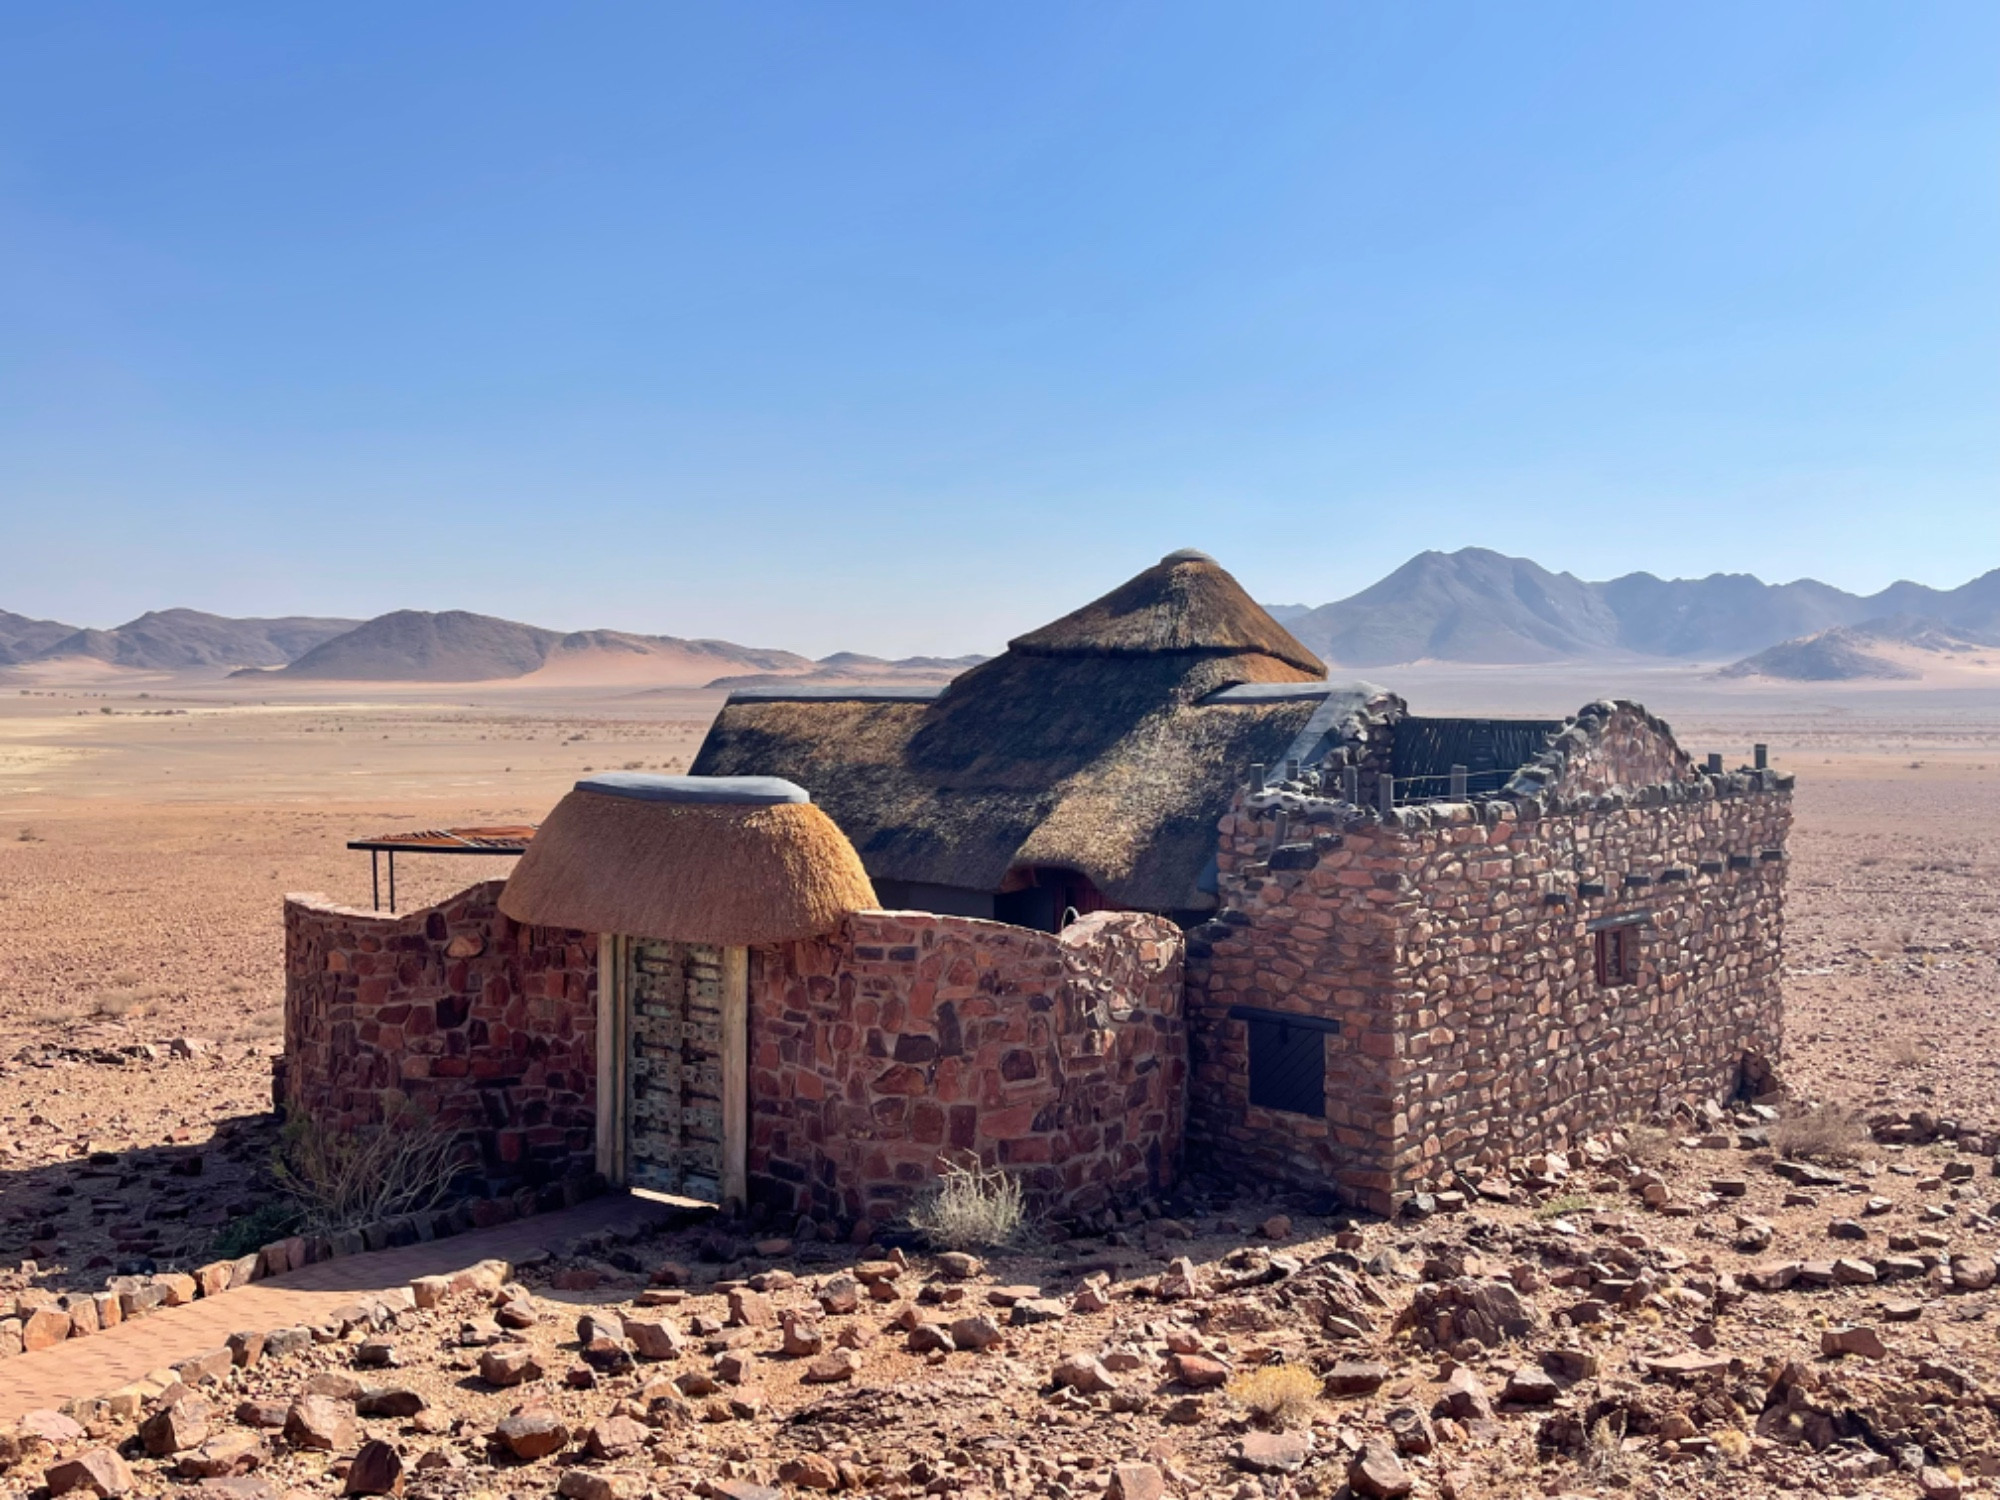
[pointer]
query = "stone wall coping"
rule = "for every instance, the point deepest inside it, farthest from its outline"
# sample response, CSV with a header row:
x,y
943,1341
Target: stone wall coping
x,y
1085,932
320,904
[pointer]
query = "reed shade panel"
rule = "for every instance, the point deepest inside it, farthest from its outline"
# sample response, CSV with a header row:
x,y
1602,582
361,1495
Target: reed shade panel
x,y
691,859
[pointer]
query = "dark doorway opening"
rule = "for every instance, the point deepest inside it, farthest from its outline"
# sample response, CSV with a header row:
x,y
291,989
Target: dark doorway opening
x,y
1044,897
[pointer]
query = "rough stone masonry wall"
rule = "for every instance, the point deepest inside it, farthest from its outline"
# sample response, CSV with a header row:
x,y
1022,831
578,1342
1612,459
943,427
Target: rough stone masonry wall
x,y
1472,1025
909,1038
456,1011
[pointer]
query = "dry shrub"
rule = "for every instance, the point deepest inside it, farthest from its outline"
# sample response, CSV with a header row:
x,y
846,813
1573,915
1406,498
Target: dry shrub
x,y
1647,1145
121,1004
1734,1443
971,1208
1908,1052
1825,1133
342,1179
1278,1395
1605,1458
1569,1203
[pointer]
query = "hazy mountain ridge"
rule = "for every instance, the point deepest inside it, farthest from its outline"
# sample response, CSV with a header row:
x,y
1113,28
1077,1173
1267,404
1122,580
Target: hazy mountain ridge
x,y
456,645
23,639
1473,605
180,640
1893,648
1476,605
851,668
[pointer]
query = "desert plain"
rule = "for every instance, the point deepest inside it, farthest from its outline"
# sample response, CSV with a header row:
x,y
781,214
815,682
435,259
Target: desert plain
x,y
150,828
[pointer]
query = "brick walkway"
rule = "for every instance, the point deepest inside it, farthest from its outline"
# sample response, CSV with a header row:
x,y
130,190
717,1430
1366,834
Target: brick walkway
x,y
104,1361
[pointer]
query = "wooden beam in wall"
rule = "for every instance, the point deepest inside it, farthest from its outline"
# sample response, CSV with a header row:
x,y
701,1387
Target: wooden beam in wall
x,y
736,1076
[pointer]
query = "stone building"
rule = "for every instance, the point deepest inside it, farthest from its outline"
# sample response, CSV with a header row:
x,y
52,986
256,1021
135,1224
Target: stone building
x,y
1146,888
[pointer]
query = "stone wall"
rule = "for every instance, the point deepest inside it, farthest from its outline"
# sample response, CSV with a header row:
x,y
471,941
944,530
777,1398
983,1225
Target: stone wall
x,y
456,1012
1454,946
910,1038
1619,745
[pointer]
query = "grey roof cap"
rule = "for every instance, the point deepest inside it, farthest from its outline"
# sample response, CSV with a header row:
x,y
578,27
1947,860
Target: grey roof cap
x,y
734,791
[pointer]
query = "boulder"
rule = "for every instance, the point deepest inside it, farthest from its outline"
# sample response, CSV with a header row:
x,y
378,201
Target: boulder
x,y
1083,1374
615,1437
1356,1377
96,1471
178,1425
220,1457
810,1471
1377,1474
978,1333
531,1432
1853,1339
322,1423
653,1340
1136,1482
1272,1452
395,1401
509,1365
376,1470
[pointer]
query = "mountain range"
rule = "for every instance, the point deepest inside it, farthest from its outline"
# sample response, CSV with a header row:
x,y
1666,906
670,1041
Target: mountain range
x,y
1472,605
1475,605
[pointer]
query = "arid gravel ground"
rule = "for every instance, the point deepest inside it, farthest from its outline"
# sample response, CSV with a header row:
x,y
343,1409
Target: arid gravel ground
x,y
143,855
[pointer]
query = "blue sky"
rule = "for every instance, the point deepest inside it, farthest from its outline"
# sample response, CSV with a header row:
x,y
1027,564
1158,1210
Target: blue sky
x,y
904,327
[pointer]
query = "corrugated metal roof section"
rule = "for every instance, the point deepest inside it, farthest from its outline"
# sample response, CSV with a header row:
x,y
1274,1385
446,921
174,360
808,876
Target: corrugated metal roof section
x,y
1491,750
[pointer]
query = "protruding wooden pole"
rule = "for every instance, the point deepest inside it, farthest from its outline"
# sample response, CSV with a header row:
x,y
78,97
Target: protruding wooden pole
x,y
736,1077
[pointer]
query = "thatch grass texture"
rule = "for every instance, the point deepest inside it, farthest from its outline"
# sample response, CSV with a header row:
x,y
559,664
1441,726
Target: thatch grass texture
x,y
688,872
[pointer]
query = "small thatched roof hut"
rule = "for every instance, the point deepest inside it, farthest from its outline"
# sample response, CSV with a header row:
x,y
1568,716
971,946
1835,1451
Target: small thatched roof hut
x,y
1107,743
733,861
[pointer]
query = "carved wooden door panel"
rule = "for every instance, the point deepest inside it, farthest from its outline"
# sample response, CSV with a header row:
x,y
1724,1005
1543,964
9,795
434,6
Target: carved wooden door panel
x,y
674,1104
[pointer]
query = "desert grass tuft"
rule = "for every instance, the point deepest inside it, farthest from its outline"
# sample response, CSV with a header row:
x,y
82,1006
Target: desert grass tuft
x,y
1826,1133
972,1208
1279,1396
1646,1144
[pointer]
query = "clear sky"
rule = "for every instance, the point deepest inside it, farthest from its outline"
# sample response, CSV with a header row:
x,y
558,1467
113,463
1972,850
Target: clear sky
x,y
903,327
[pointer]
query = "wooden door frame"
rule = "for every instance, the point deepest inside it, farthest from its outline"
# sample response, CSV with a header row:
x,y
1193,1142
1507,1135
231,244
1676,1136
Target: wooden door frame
x,y
614,1056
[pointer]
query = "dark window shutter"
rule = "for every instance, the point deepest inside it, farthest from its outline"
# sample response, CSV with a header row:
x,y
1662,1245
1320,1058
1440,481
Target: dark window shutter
x,y
1287,1067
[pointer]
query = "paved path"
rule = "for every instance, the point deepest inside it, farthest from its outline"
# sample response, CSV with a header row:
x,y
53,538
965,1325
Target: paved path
x,y
104,1361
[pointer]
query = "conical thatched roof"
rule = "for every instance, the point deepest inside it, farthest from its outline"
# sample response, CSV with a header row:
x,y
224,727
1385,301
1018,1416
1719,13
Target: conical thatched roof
x,y
1184,602
1096,743
693,859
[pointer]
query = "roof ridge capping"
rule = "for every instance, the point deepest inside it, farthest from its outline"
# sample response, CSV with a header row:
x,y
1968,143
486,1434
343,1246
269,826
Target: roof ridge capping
x,y
1186,603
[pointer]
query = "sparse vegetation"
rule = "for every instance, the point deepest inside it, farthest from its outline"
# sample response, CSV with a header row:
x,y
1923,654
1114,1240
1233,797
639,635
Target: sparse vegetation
x,y
342,1179
270,1220
126,1004
1278,1395
1825,1133
1908,1052
972,1208
1570,1203
1647,1144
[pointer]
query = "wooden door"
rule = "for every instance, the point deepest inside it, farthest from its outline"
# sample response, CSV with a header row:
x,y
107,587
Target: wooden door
x,y
683,1048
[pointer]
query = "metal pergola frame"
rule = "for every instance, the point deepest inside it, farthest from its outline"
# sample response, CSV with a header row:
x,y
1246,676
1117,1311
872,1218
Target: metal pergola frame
x,y
502,842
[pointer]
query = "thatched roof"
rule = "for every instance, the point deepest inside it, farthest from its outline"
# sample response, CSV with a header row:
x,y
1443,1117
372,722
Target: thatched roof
x,y
1184,602
1096,744
732,861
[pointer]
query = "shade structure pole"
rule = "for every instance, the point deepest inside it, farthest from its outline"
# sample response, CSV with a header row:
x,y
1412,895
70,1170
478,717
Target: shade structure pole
x,y
735,1077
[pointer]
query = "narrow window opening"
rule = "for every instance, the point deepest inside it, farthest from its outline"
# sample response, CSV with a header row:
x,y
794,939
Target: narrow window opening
x,y
1617,956
1288,1067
